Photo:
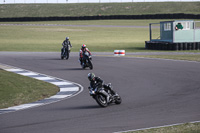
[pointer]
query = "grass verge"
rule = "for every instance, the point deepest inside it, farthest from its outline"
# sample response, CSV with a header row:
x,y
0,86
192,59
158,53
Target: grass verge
x,y
99,36
183,128
94,9
49,38
16,89
193,57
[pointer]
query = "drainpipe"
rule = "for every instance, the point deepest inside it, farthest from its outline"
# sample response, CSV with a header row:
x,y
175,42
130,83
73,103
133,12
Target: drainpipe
x,y
150,31
173,30
194,31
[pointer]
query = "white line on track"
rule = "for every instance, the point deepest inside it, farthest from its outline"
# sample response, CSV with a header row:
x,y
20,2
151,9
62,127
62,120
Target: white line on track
x,y
44,78
14,70
28,74
61,83
69,89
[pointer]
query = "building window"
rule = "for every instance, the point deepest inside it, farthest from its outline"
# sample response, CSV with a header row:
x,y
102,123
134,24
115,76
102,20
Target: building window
x,y
167,26
186,25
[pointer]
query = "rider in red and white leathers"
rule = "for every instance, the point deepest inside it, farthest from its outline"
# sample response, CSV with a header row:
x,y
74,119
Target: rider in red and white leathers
x,y
82,50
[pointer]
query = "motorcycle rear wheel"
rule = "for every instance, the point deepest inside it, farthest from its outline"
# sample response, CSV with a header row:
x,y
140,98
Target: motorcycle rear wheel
x,y
61,55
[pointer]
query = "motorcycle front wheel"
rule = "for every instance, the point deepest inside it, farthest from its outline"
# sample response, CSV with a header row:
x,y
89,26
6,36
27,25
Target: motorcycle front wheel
x,y
101,100
90,64
83,66
118,100
61,56
67,55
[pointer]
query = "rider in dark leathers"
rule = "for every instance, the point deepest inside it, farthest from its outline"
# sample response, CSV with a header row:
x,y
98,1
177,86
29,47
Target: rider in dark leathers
x,y
98,82
66,45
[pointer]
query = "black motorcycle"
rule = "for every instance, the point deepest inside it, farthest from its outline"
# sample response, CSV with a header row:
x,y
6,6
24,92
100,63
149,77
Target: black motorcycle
x,y
87,60
65,53
104,97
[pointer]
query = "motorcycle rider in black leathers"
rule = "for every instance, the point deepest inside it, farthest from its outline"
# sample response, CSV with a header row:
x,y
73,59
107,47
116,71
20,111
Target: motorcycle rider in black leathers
x,y
66,45
98,82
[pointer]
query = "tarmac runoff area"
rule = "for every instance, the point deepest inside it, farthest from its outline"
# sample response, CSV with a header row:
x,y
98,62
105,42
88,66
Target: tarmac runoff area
x,y
67,89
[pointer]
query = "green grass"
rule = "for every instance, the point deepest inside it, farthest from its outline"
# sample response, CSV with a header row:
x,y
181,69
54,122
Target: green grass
x,y
98,39
49,38
183,128
93,9
16,89
195,57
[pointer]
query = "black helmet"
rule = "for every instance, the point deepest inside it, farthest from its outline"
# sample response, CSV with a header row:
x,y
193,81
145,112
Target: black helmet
x,y
67,38
91,76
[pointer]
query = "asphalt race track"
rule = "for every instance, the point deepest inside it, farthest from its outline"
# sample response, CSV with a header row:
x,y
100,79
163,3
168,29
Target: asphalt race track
x,y
154,93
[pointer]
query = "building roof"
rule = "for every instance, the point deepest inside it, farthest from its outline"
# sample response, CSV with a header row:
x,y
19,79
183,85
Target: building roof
x,y
176,21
